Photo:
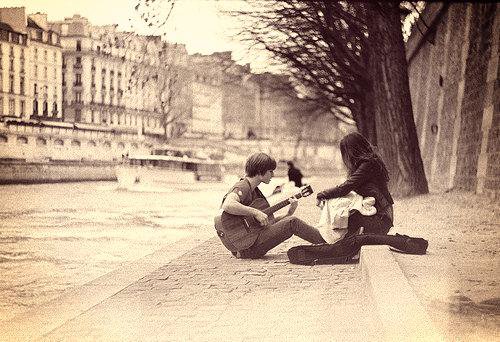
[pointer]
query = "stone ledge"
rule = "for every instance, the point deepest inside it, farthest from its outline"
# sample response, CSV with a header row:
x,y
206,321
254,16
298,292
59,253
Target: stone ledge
x,y
402,315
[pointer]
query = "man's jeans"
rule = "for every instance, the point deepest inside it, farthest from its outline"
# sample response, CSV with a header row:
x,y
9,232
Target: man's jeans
x,y
275,234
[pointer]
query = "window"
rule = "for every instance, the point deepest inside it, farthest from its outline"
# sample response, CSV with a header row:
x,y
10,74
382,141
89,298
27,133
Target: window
x,y
45,55
54,108
36,54
45,72
22,107
78,45
22,140
78,79
45,108
21,85
36,71
35,107
41,141
78,114
12,107
35,89
11,84
55,58
1,105
78,97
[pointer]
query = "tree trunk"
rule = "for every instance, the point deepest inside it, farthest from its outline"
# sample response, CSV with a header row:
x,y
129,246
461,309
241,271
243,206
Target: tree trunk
x,y
370,129
395,126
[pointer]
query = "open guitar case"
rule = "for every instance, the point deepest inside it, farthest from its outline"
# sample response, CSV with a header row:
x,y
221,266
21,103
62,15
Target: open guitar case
x,y
346,251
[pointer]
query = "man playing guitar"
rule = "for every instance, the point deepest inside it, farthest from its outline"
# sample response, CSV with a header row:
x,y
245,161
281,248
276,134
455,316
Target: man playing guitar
x,y
247,227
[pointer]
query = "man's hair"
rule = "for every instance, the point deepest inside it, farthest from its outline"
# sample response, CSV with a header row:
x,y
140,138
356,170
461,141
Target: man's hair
x,y
290,163
259,164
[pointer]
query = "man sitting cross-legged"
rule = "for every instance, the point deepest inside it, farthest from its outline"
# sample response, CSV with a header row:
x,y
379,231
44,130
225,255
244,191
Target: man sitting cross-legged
x,y
246,241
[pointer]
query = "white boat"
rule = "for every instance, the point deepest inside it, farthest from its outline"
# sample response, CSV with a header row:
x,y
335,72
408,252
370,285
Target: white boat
x,y
158,170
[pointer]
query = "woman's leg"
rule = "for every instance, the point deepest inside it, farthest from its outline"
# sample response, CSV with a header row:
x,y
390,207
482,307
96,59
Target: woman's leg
x,y
275,234
376,224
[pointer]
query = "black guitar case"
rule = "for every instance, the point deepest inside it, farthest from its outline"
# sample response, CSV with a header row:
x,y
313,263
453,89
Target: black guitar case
x,y
346,250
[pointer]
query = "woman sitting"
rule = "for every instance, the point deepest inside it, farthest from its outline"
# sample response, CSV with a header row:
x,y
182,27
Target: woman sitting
x,y
368,177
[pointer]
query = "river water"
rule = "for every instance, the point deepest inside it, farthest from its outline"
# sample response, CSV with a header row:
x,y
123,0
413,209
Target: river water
x,y
56,236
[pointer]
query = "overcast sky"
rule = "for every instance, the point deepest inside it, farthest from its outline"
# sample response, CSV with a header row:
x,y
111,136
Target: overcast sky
x,y
196,23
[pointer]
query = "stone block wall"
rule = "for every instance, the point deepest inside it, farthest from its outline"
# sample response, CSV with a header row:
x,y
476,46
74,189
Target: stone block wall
x,y
12,172
453,72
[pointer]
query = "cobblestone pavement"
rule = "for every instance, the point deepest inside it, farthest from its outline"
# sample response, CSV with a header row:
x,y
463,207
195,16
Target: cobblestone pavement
x,y
207,294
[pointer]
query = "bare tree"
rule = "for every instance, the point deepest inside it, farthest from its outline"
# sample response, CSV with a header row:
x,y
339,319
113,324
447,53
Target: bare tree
x,y
348,55
320,47
169,80
173,92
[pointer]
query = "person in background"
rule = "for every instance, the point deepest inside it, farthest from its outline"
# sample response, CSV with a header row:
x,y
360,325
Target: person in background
x,y
368,177
294,174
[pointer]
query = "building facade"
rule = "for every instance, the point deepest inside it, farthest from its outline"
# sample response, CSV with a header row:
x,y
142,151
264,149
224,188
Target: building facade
x,y
45,70
108,76
207,93
14,65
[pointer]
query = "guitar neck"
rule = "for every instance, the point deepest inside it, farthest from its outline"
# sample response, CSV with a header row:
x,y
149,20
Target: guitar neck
x,y
279,205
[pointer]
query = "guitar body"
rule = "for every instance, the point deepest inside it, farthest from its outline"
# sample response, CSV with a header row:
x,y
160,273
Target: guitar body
x,y
240,232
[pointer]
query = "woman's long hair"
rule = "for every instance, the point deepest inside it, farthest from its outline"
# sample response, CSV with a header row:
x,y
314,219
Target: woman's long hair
x,y
355,149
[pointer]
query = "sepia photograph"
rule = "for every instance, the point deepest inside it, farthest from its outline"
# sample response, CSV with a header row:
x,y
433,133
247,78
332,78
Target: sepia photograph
x,y
249,170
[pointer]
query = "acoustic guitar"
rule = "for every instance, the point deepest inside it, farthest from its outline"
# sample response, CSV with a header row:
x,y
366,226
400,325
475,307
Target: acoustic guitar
x,y
239,232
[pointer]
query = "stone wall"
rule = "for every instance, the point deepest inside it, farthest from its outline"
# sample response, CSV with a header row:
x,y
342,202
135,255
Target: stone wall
x,y
16,172
453,71
35,142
